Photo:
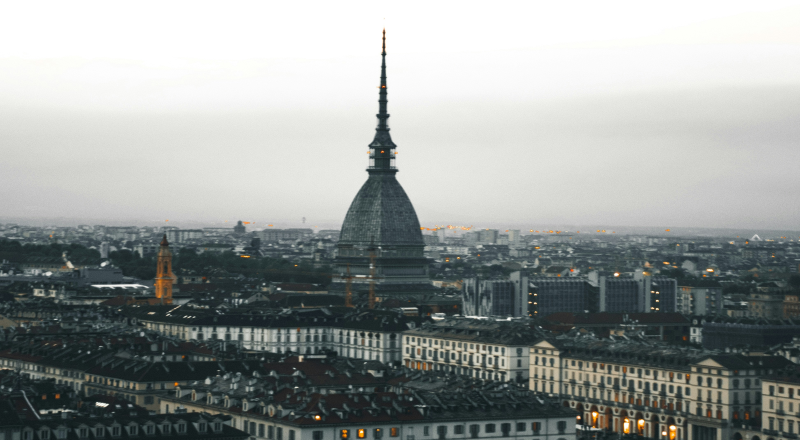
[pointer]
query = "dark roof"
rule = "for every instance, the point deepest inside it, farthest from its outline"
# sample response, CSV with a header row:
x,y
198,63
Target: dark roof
x,y
479,330
606,318
645,353
382,215
340,317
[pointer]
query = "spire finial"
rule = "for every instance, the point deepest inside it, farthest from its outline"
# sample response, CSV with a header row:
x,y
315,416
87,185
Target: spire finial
x,y
382,147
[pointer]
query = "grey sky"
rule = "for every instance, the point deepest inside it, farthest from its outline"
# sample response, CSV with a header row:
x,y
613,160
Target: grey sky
x,y
528,113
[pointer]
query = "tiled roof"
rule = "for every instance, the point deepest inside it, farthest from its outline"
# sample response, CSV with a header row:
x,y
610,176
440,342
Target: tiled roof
x,y
382,215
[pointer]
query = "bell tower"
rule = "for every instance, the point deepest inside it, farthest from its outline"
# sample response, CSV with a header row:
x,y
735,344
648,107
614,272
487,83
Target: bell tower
x,y
164,275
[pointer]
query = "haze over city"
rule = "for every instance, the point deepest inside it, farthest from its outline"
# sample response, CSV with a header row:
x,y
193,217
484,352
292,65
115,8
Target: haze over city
x,y
537,115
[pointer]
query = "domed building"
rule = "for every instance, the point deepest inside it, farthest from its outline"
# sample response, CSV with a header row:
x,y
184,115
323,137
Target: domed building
x,y
381,245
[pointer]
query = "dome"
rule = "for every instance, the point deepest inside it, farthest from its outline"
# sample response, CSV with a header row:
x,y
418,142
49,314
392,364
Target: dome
x,y
382,215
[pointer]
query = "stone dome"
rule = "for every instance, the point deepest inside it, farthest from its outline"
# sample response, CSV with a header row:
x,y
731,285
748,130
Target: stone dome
x,y
382,215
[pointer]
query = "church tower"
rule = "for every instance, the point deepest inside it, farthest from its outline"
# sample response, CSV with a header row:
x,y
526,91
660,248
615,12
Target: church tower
x,y
164,275
380,249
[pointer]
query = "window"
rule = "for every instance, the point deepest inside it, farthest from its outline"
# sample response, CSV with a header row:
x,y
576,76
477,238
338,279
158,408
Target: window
x,y
270,432
378,433
115,431
458,429
362,433
316,435
536,427
426,431
279,433
562,427
474,430
441,431
344,433
98,432
394,432
490,427
83,432
261,430
505,429
181,428
520,426
134,430
149,400
291,434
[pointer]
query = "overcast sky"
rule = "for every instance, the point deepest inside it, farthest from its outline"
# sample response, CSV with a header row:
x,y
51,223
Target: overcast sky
x,y
528,113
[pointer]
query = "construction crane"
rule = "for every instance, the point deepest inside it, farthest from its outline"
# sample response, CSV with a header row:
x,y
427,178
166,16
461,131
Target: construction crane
x,y
348,299
371,300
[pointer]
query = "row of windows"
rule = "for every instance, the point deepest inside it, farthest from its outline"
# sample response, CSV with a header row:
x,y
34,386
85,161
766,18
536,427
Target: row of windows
x,y
116,431
441,431
464,345
277,433
789,391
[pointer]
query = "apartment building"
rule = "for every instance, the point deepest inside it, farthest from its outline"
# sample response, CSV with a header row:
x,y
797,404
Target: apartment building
x,y
484,349
372,335
121,426
635,387
313,409
781,413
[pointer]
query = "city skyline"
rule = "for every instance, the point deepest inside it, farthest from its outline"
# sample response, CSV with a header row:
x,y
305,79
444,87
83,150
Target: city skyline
x,y
687,122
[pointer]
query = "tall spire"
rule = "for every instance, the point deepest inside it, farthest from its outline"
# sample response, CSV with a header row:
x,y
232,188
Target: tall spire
x,y
382,101
382,147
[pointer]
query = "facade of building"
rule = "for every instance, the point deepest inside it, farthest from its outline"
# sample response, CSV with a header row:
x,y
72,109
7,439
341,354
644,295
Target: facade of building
x,y
483,349
120,426
700,298
654,391
272,235
381,249
184,235
496,297
657,293
766,305
318,405
556,294
366,335
723,332
781,413
619,294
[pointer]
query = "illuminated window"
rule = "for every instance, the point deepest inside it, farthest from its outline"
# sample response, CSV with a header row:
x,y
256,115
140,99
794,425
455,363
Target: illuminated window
x,y
345,433
362,433
394,432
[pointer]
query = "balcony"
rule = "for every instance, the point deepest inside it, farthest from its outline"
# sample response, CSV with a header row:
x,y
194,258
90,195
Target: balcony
x,y
780,412
789,435
770,432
